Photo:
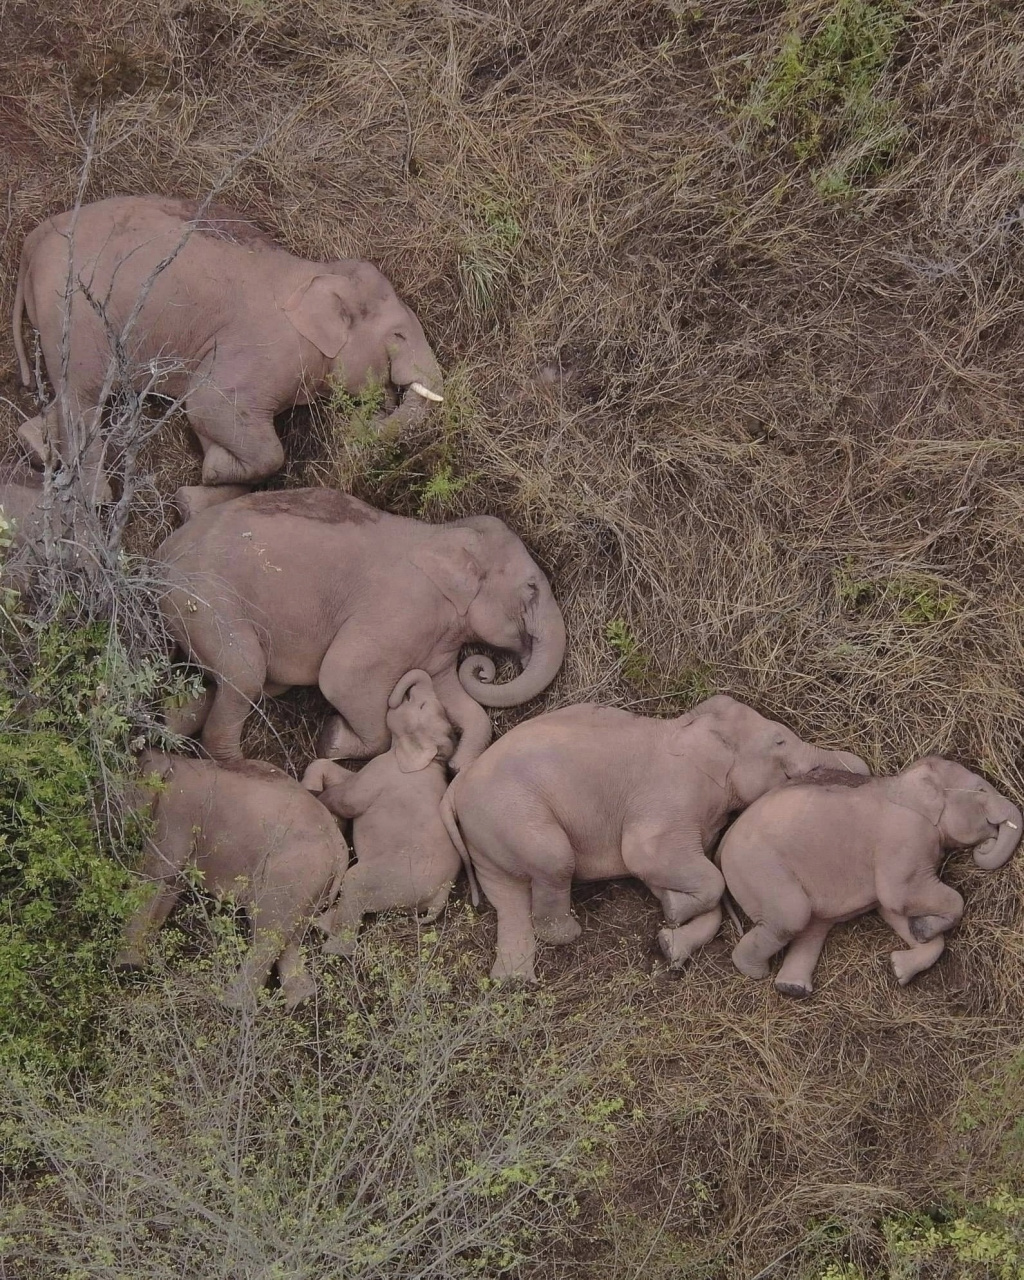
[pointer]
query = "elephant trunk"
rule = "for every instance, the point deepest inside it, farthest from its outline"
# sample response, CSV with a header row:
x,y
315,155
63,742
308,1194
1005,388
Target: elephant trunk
x,y
414,368
546,653
991,854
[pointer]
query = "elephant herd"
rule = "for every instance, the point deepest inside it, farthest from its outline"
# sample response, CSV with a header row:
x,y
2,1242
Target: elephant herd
x,y
269,590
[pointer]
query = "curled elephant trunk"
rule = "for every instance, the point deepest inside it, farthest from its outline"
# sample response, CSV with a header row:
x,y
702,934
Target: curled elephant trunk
x,y
546,653
991,854
414,369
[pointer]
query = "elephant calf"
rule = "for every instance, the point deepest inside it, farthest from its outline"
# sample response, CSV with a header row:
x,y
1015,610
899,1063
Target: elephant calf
x,y
405,857
814,853
592,793
253,832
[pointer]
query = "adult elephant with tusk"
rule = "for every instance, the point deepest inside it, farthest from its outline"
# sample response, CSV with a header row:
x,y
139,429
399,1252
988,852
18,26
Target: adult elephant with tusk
x,y
196,302
312,586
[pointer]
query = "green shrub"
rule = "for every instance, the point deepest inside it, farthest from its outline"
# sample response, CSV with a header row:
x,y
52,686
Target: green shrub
x,y
420,1123
822,91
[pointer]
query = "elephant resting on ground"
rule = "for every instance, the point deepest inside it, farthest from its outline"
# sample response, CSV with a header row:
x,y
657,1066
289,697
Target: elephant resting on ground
x,y
253,832
831,847
198,303
311,586
404,856
593,793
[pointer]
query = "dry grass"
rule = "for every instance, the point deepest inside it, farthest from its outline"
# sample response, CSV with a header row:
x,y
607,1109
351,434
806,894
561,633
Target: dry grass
x,y
771,425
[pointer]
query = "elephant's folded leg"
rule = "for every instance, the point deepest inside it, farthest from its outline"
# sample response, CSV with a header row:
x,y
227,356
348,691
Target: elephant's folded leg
x,y
906,965
297,985
678,943
796,977
753,953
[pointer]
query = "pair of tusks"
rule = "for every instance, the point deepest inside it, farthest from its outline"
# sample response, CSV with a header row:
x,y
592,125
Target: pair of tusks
x,y
425,392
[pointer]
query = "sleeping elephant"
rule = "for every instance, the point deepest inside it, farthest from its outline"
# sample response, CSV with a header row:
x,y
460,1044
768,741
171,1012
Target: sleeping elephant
x,y
817,852
198,303
593,793
314,587
253,832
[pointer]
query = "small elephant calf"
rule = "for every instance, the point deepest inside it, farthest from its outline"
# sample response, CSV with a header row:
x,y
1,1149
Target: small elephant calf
x,y
405,858
832,846
253,832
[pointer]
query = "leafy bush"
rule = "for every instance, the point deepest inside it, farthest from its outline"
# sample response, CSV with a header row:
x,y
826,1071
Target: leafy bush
x,y
422,1124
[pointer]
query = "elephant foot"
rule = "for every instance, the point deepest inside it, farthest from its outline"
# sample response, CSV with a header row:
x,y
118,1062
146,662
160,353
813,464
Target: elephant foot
x,y
297,990
338,742
675,951
558,932
341,944
748,967
795,990
130,960
191,499
511,969
924,928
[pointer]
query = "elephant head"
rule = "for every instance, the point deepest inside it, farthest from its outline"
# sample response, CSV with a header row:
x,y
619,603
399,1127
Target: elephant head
x,y
503,600
966,810
420,730
746,754
354,318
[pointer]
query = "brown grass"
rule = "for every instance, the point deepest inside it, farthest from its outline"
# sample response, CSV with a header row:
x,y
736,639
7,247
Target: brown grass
x,y
777,434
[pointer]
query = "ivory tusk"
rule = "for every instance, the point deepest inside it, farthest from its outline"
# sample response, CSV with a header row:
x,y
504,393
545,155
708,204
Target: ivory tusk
x,y
1011,825
425,392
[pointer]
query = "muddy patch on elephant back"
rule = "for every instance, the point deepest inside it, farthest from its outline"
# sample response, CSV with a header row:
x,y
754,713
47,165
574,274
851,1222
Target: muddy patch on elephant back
x,y
826,777
326,505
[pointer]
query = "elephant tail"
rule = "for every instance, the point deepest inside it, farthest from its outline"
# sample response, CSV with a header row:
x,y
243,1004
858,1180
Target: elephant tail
x,y
451,821
19,341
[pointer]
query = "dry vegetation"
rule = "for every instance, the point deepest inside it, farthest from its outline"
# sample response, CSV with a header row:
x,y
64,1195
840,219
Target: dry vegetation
x,y
729,296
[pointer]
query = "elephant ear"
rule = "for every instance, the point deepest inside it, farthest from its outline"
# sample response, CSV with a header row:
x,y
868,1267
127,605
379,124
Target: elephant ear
x,y
319,311
919,791
696,740
448,561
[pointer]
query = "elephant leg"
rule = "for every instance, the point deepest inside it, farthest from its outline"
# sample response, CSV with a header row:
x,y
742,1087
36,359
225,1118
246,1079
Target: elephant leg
x,y
167,855
468,717
346,680
297,984
222,732
754,951
933,912
240,445
922,955
191,499
437,903
188,719
345,917
516,939
144,924
796,977
553,920
679,942
685,881
267,946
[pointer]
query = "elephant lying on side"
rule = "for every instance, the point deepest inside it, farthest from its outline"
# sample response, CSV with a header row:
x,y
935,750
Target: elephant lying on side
x,y
311,586
220,314
404,855
253,832
592,793
814,853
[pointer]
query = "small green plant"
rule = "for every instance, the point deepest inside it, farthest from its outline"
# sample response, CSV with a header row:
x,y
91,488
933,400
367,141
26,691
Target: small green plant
x,y
487,252
358,410
914,600
683,687
439,491
986,1240
822,89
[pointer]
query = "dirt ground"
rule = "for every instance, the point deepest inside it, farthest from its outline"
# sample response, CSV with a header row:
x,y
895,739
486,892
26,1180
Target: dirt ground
x,y
730,306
